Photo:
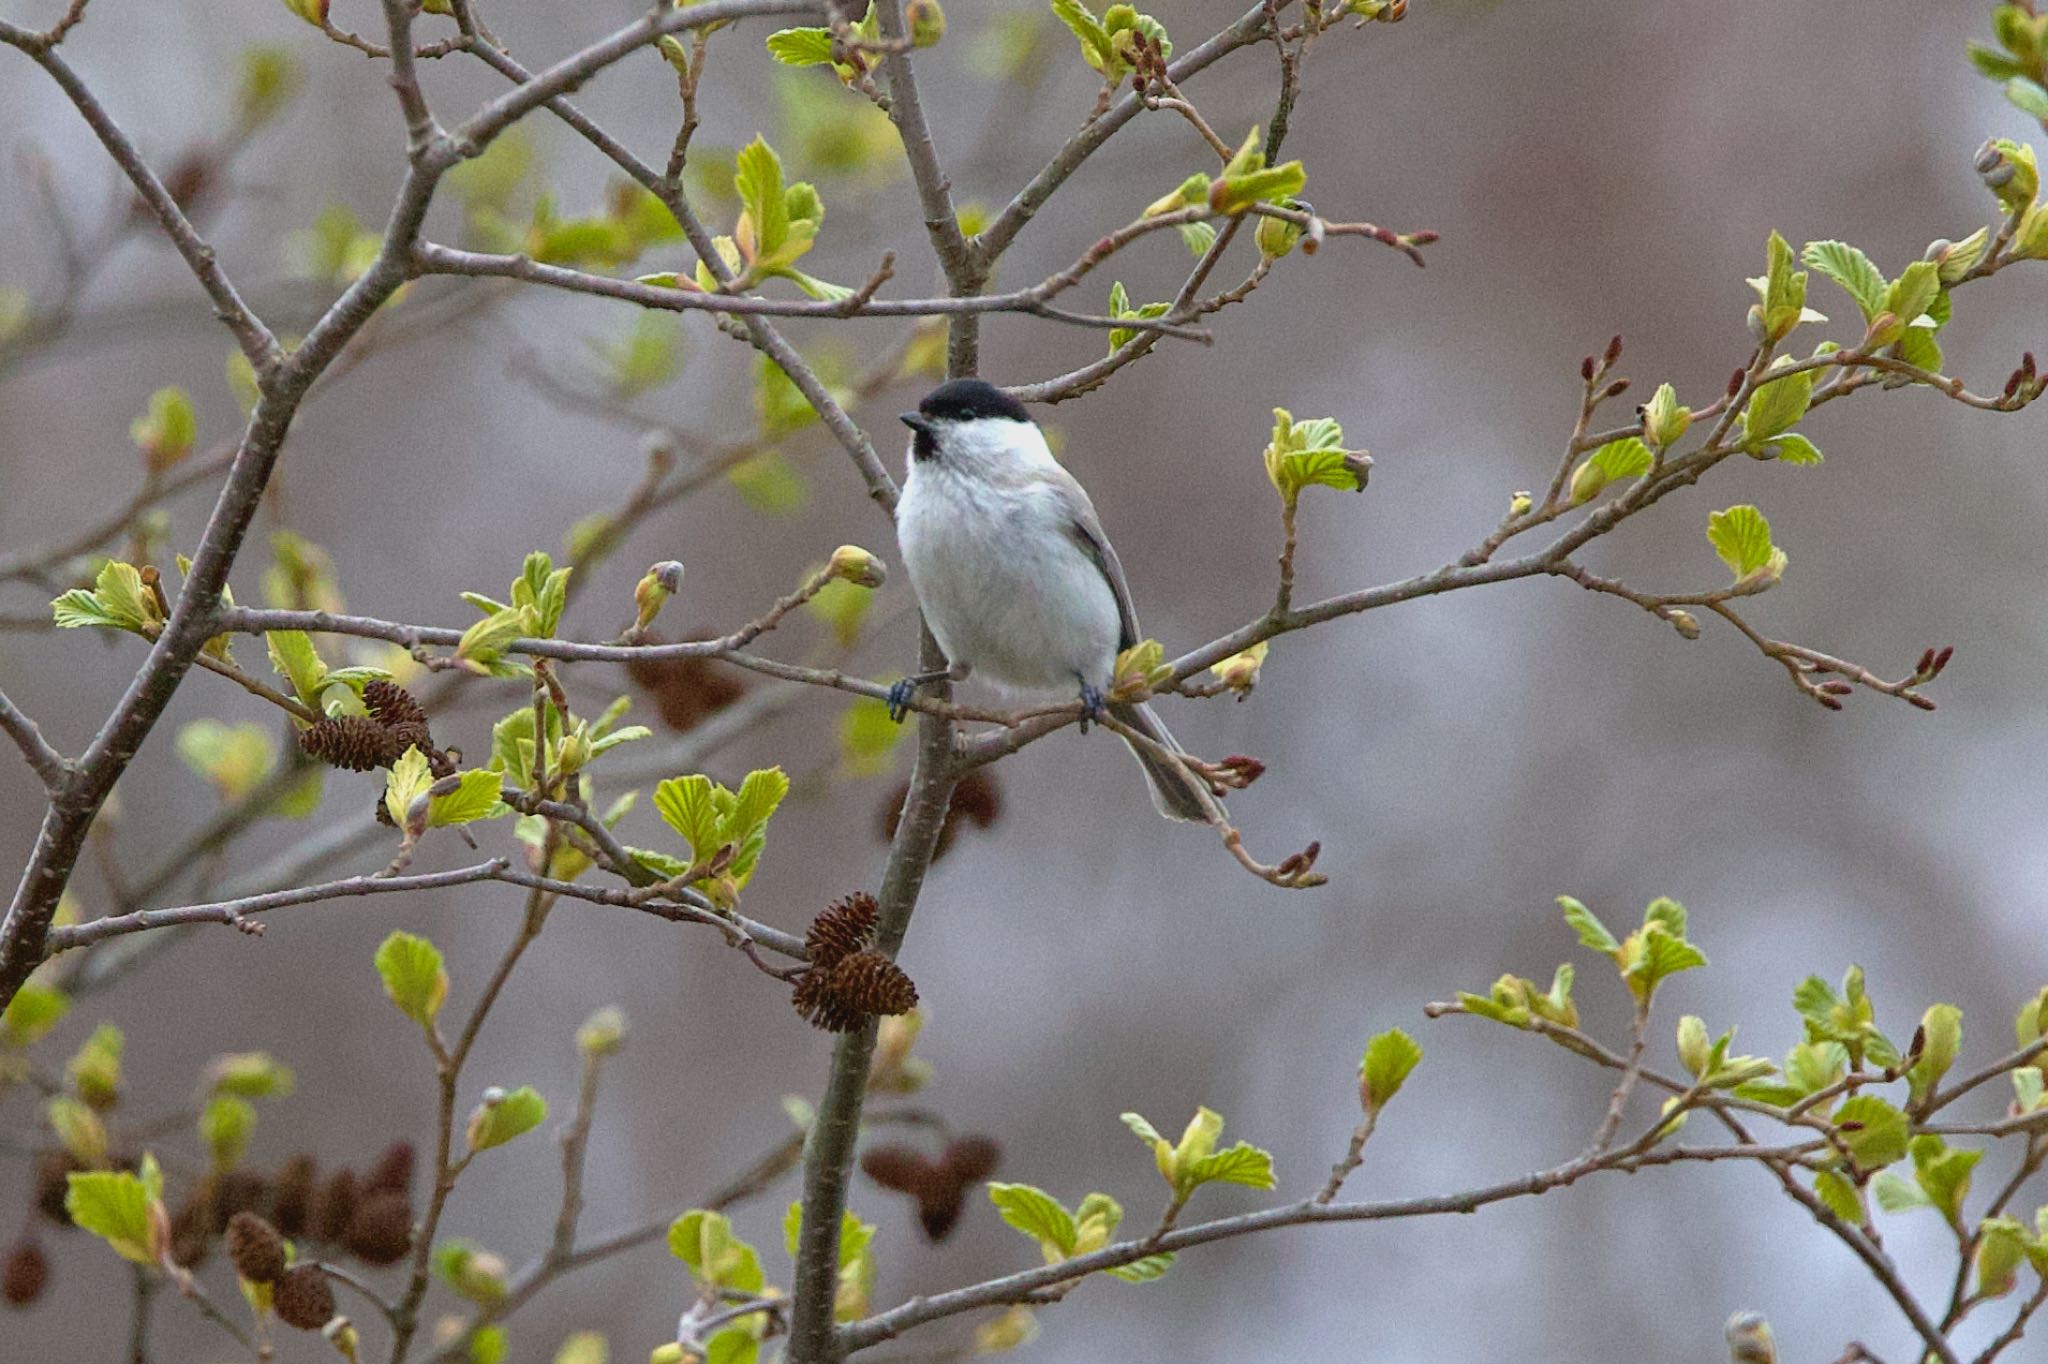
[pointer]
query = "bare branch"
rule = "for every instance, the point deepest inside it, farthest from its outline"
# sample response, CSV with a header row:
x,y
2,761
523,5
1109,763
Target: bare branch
x,y
45,761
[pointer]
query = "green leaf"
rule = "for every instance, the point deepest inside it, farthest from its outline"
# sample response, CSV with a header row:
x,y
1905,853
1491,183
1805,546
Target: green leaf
x,y
235,758
718,1260
475,797
583,1347
488,1345
483,643
1897,1194
35,1009
166,431
501,1117
1095,45
1628,457
867,738
95,1068
1941,1029
79,608
224,1127
1143,1271
414,975
1793,448
1303,454
1880,1131
1851,269
295,659
1038,1215
2001,1245
404,784
1235,193
685,805
648,356
1389,1058
2027,96
79,1129
1742,537
757,175
801,46
115,1206
1587,925
1242,1164
843,606
1914,291
1840,1197
1776,406
1942,1173
121,595
250,1075
760,795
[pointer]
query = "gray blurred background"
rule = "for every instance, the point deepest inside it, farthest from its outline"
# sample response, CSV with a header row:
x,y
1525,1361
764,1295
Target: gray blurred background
x,y
1594,167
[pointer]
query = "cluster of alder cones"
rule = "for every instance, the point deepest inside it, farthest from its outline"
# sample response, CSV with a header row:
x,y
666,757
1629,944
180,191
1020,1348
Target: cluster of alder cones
x,y
368,1217
362,743
848,982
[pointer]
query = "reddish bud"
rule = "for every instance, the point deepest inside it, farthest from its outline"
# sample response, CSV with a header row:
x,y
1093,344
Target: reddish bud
x,y
1613,350
1735,381
1587,369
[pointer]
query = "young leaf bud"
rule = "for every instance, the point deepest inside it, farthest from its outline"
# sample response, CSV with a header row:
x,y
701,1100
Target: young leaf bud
x,y
1277,236
1693,1046
1684,622
926,22
1953,260
603,1033
851,563
1749,1340
1664,421
1520,503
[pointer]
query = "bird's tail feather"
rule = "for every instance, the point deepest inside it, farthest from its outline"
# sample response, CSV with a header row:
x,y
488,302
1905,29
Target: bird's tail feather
x,y
1176,792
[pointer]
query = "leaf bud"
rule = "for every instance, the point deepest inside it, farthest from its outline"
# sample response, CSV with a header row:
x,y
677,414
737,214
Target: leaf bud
x,y
1664,420
926,22
851,563
1277,236
1520,504
603,1033
1684,622
1749,1340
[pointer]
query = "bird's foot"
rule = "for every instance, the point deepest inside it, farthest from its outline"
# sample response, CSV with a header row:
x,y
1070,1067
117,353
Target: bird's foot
x,y
900,695
1092,706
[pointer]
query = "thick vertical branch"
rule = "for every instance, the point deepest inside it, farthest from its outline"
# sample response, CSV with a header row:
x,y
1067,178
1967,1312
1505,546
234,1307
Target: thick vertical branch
x,y
828,1155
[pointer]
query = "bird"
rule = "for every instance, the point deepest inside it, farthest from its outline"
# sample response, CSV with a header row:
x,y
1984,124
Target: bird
x,y
1017,580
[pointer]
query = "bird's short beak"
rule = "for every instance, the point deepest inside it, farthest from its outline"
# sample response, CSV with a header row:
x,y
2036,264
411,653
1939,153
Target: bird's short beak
x,y
916,421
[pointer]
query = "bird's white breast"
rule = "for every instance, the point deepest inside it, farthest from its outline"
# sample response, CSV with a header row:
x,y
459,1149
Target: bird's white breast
x,y
1004,586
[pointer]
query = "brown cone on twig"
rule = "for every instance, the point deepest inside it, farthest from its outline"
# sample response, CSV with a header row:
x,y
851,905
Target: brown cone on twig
x,y
354,742
333,1208
976,800
26,1271
846,994
380,1233
304,1298
846,927
255,1248
53,1170
291,1195
393,1171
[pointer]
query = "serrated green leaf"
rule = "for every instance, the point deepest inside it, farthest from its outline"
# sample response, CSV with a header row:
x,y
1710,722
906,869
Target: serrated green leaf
x,y
1741,536
415,976
1389,1059
113,1205
1880,1135
1898,1194
1941,1029
1776,406
35,1009
1038,1215
801,46
757,175
716,1258
1242,1164
295,659
1850,268
685,805
1793,448
474,798
1143,1271
512,1115
1592,933
1841,1197
1627,457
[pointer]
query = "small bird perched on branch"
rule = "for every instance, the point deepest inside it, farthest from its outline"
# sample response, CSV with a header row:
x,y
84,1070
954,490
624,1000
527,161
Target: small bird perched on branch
x,y
1017,580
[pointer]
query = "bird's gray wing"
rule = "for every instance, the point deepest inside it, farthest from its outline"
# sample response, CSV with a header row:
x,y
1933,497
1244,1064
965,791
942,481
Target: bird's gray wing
x,y
1086,529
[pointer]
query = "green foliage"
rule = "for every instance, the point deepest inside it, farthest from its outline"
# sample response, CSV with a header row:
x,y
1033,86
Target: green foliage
x,y
719,1261
1776,406
1627,457
842,605
35,1009
224,1127
1062,1235
250,1075
1388,1060
502,1116
725,829
1850,268
95,1068
1847,1017
1193,1161
647,357
1742,537
415,976
118,600
123,1209
235,758
1872,1131
1120,307
165,432
868,738
1106,42
1647,956
1781,295
1304,454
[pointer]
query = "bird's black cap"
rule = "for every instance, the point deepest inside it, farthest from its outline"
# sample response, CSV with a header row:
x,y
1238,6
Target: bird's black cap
x,y
964,400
